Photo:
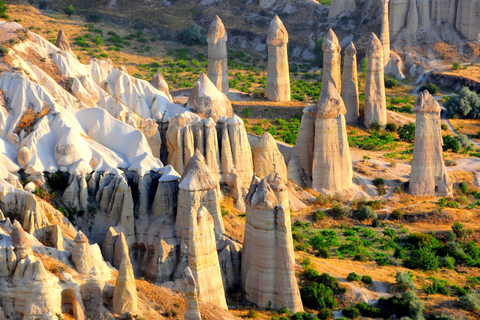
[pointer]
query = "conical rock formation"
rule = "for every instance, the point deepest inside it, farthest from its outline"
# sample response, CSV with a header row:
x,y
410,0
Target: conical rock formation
x,y
203,258
412,18
350,84
158,81
428,170
192,311
268,262
385,32
267,159
207,100
62,41
375,100
332,60
278,77
125,291
217,55
332,163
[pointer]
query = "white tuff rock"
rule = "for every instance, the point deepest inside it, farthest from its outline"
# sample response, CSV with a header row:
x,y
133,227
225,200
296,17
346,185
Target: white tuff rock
x,y
217,55
278,77
332,60
350,84
207,100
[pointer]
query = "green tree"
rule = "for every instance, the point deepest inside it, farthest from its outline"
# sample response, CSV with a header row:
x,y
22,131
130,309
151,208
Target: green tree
x,y
422,258
70,10
3,10
317,296
407,132
318,52
450,143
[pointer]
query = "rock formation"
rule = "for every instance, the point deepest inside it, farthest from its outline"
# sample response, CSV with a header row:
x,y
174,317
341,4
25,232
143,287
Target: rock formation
x,y
305,145
158,81
350,84
424,13
207,100
192,312
268,275
332,164
385,32
468,19
62,41
278,77
125,292
428,170
341,6
217,55
267,159
332,60
198,187
203,258
398,15
412,17
375,100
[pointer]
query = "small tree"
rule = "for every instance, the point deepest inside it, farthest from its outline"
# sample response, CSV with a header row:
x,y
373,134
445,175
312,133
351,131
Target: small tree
x,y
193,35
405,281
423,258
470,302
70,10
450,143
407,132
3,10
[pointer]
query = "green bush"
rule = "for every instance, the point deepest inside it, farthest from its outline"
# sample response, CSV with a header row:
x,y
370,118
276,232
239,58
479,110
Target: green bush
x,y
284,311
352,276
405,281
367,279
70,10
365,213
97,40
193,35
444,127
456,65
340,212
376,126
407,132
380,184
369,311
325,314
396,214
423,258
464,187
463,141
3,10
390,82
252,314
414,305
318,296
318,216
464,105
302,316
436,288
450,143
351,313
323,253
375,223
470,302
419,239
430,87
94,18
392,127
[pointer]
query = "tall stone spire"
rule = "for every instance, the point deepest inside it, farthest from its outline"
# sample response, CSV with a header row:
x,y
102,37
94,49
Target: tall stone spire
x,y
62,41
412,18
350,84
278,77
332,163
332,60
385,35
424,13
398,15
428,169
192,311
217,55
375,102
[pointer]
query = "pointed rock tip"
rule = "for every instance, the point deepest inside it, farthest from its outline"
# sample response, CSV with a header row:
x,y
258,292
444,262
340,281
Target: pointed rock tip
x,y
264,197
350,50
216,31
197,175
188,277
277,33
426,103
266,141
330,43
81,237
276,182
330,104
375,47
19,236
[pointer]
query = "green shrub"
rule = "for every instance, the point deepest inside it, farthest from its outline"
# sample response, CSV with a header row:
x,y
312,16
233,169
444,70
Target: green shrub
x,y
380,184
318,296
444,127
414,305
97,40
376,126
407,132
464,105
352,276
430,87
390,82
70,10
420,239
436,288
323,253
463,141
422,258
448,262
369,311
365,213
318,216
340,212
367,279
193,35
392,127
351,313
252,314
284,311
470,302
58,181
302,316
375,223
450,143
94,18
396,214
456,65
325,314
3,10
405,281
